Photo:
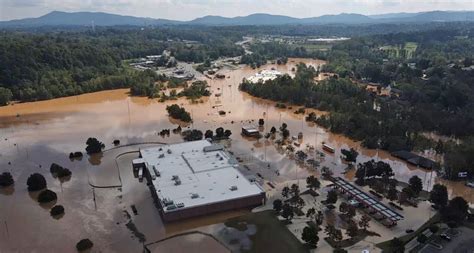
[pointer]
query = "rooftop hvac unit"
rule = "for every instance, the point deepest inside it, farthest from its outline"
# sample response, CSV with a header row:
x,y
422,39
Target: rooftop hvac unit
x,y
161,156
233,188
169,151
171,207
180,205
174,177
167,202
177,182
194,196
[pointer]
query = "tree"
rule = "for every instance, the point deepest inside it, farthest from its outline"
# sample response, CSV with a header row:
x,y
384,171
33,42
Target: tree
x,y
285,192
333,233
5,96
312,183
311,213
332,197
456,210
94,146
439,195
295,190
47,196
277,205
177,112
273,130
192,135
310,235
57,210
227,133
350,155
287,212
392,194
209,134
364,222
219,133
84,244
261,122
319,218
397,245
416,185
352,229
36,182
6,179
407,193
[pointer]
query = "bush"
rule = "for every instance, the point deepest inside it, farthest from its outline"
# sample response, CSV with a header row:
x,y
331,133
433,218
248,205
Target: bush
x,y
339,251
57,210
47,196
434,228
422,238
6,179
36,182
84,244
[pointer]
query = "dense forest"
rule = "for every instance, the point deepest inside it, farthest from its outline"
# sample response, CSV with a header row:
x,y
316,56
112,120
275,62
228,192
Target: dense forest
x,y
435,83
36,66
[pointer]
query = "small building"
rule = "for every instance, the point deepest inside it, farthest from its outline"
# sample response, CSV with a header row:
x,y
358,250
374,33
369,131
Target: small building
x,y
250,131
197,178
414,159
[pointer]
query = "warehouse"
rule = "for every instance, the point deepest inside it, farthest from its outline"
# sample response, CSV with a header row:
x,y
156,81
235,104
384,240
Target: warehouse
x,y
196,178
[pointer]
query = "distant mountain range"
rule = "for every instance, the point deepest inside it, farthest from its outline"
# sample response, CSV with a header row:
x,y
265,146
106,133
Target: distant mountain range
x,y
58,18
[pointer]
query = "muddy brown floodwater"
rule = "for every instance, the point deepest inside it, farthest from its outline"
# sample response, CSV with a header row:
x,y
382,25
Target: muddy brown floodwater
x,y
33,135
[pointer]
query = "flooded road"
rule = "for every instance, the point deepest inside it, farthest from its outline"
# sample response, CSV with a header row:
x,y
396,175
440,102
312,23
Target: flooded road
x,y
34,135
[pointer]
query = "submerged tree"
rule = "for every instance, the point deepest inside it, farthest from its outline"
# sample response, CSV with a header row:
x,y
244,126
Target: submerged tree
x,y
6,179
84,244
94,146
47,196
36,182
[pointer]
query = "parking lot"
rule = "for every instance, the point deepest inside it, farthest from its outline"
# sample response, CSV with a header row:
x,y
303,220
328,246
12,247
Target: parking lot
x,y
461,243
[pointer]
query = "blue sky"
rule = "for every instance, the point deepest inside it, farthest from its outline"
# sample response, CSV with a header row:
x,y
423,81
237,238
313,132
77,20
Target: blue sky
x,y
190,9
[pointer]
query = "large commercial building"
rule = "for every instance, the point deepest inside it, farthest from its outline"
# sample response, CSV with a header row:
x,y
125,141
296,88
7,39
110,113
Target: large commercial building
x,y
196,178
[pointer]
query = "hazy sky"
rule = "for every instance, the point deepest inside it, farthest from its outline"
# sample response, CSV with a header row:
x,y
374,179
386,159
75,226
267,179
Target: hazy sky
x,y
190,9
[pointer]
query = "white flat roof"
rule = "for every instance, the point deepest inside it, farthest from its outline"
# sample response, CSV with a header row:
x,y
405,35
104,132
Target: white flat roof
x,y
210,175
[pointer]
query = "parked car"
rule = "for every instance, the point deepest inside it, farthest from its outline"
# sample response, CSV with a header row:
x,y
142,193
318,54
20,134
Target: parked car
x,y
445,237
354,203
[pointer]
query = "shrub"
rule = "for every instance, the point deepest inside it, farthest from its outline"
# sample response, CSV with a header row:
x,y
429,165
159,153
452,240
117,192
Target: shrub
x,y
57,210
6,179
434,228
422,238
36,182
84,244
47,196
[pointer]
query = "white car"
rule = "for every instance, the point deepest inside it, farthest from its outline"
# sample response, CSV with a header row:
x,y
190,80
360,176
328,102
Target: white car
x,y
354,202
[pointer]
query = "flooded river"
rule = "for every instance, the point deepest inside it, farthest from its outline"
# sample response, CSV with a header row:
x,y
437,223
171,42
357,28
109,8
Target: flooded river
x,y
33,135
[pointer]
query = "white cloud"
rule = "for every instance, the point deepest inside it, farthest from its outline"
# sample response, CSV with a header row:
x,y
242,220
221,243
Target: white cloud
x,y
190,9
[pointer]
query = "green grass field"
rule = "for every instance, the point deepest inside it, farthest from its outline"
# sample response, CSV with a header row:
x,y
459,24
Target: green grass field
x,y
272,235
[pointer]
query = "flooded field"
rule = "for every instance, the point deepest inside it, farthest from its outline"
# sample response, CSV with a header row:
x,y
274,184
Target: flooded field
x,y
34,135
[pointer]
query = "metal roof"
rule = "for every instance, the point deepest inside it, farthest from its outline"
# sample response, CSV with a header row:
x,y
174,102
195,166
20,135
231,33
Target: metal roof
x,y
367,199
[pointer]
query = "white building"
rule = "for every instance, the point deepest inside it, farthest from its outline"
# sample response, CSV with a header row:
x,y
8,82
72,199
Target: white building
x,y
197,178
264,75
